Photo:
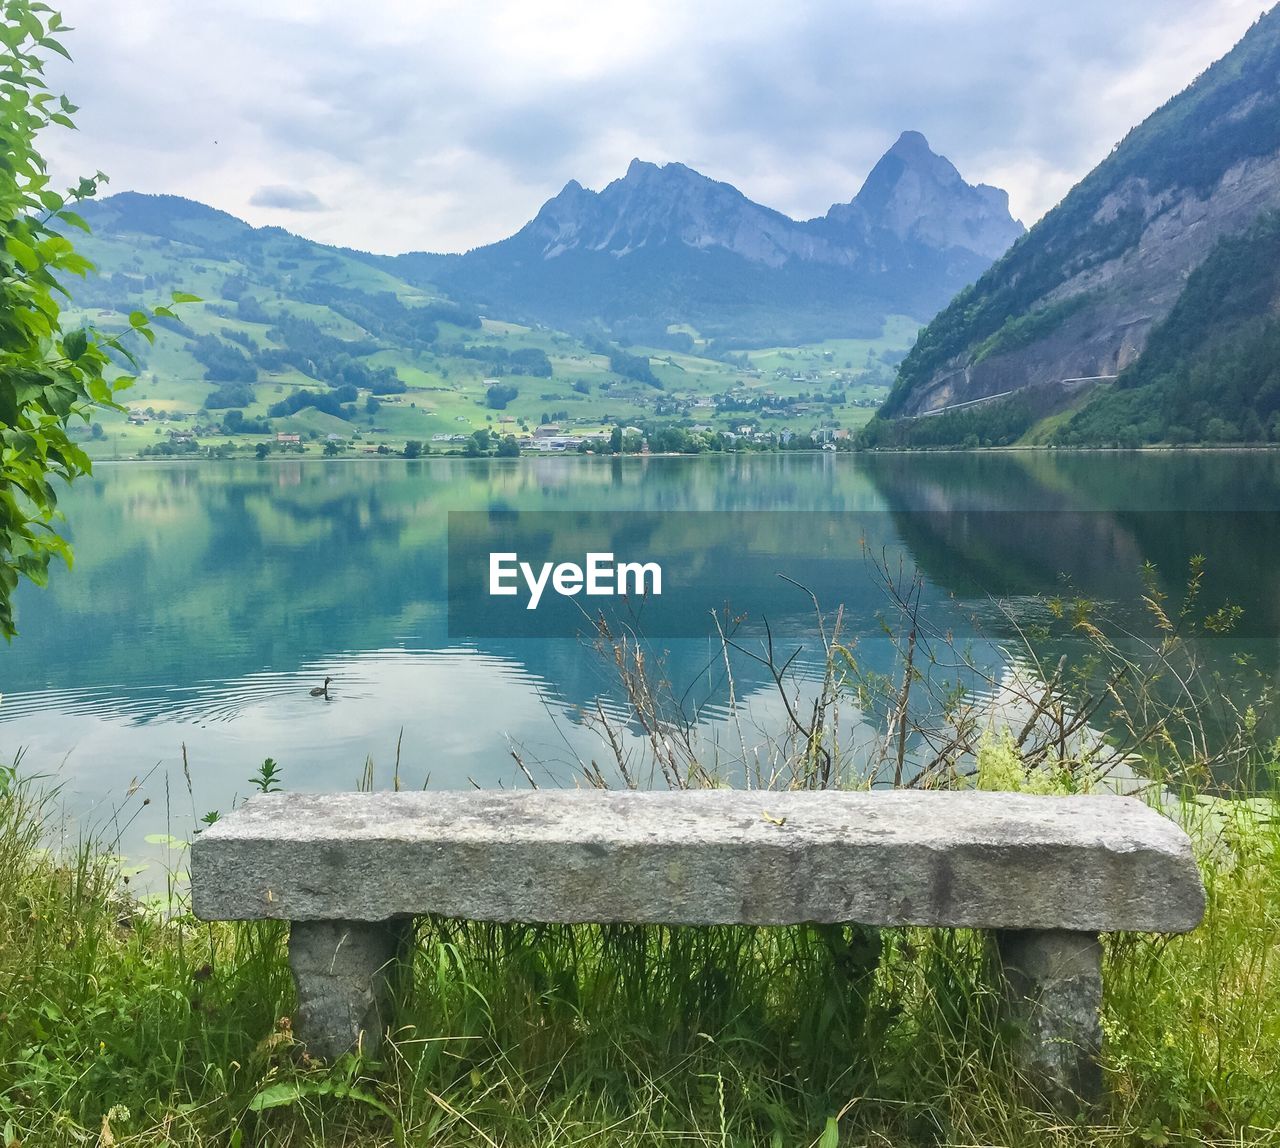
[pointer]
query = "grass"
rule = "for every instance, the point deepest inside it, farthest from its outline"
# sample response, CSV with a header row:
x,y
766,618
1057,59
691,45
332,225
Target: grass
x,y
133,1027
1042,432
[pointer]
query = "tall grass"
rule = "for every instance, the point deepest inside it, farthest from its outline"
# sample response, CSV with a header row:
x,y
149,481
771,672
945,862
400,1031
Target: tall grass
x,y
128,1027
104,1004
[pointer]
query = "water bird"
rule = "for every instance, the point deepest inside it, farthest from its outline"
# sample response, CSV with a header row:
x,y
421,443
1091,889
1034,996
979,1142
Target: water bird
x,y
322,691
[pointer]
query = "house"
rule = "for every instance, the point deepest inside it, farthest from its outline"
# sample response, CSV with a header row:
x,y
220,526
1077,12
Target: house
x,y
547,430
282,436
557,442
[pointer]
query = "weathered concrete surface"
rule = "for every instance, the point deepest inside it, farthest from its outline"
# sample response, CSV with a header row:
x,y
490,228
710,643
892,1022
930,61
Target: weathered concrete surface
x,y
1053,993
345,972
983,860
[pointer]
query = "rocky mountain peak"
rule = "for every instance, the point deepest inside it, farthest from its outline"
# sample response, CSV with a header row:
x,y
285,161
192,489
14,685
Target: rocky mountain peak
x,y
918,196
912,195
912,147
669,182
653,205
664,241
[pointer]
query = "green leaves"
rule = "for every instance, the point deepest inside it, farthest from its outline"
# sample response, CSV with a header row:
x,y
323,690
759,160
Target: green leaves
x,y
47,377
138,320
26,258
75,344
75,220
289,1092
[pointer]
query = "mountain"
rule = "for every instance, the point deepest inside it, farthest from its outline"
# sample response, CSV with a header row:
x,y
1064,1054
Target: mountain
x,y
1210,372
666,245
919,199
1080,296
168,217
293,337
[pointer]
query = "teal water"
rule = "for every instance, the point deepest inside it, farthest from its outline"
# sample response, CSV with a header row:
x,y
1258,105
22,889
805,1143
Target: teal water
x,y
207,599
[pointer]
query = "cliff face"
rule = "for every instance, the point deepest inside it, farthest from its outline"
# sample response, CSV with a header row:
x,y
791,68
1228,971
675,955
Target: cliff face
x,y
917,197
673,204
668,245
912,196
1079,295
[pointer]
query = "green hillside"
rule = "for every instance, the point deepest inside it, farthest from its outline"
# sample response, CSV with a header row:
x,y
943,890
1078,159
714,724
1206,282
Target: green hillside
x,y
1210,373
1211,370
1080,295
293,337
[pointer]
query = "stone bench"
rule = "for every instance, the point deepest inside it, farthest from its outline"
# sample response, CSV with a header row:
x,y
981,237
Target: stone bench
x,y
1048,874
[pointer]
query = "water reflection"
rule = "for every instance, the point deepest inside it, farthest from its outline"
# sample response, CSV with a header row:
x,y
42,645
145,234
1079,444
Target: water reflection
x,y
208,599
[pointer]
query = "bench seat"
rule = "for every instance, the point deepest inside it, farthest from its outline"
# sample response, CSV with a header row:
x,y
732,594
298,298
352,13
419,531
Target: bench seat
x,y
1047,873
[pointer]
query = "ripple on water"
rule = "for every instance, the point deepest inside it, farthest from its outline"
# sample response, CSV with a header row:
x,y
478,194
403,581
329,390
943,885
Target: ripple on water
x,y
358,676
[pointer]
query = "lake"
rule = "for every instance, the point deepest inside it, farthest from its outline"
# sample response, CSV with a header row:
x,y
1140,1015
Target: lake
x,y
209,598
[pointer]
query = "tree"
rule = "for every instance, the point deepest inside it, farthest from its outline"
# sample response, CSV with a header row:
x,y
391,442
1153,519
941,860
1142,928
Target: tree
x,y
412,449
48,376
499,395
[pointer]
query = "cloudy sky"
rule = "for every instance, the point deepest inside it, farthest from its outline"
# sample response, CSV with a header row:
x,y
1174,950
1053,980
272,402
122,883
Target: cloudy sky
x,y
443,124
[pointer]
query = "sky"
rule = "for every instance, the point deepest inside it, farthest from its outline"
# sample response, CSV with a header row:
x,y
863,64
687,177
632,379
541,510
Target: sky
x,y
441,125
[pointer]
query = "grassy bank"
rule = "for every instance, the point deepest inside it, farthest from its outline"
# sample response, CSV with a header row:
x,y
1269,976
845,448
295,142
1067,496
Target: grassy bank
x,y
121,1026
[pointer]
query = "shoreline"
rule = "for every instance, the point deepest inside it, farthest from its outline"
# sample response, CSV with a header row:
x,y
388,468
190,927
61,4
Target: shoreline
x,y
1154,448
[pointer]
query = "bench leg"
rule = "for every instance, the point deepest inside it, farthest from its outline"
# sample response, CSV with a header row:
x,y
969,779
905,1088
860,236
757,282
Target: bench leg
x,y
1053,992
345,971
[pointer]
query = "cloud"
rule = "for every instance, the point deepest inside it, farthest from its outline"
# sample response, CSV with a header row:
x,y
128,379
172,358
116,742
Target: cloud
x,y
445,126
286,198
